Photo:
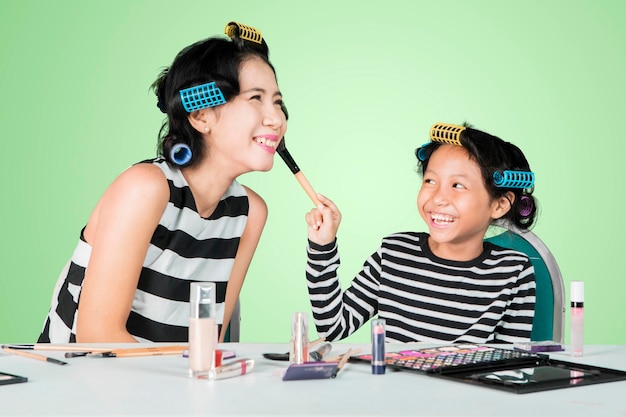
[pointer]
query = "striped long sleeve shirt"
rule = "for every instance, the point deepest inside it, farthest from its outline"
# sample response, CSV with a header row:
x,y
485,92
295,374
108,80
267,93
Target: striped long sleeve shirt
x,y
423,297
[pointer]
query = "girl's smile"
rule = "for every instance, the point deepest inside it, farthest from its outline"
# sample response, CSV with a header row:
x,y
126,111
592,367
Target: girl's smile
x,y
455,204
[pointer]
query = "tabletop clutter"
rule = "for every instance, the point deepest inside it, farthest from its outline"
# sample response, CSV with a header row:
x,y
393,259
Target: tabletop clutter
x,y
521,368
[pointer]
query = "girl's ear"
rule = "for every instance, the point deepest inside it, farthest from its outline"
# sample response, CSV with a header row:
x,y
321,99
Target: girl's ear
x,y
502,205
202,119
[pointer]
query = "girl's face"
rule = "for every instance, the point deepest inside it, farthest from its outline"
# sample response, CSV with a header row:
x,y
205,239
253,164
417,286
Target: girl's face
x,y
455,204
247,129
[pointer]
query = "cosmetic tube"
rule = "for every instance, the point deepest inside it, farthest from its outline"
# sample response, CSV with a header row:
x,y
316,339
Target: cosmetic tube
x,y
231,369
378,346
577,317
202,329
299,346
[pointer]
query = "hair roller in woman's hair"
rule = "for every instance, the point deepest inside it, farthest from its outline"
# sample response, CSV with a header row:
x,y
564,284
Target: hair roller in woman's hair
x,y
514,179
446,133
526,206
180,154
245,32
422,154
201,97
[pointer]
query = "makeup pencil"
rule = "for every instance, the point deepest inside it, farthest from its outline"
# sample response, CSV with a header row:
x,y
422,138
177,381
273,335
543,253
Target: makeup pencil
x,y
342,362
339,357
33,356
61,348
150,351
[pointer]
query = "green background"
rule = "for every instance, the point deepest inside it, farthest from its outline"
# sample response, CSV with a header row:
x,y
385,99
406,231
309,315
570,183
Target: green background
x,y
363,81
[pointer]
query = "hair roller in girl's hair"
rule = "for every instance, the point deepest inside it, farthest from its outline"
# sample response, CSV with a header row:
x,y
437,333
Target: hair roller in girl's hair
x,y
201,97
245,32
446,133
514,179
180,154
526,206
422,154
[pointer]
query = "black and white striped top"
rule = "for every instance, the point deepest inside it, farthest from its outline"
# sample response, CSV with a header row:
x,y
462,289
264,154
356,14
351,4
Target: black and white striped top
x,y
423,297
184,248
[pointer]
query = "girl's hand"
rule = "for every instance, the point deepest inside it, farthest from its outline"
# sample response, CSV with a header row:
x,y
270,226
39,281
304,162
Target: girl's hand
x,y
323,221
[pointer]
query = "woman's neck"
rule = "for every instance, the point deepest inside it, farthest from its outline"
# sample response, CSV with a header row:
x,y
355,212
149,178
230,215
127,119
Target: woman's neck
x,y
207,187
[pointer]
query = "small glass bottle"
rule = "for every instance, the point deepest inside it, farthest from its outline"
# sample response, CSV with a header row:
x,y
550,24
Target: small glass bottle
x,y
577,317
299,346
202,329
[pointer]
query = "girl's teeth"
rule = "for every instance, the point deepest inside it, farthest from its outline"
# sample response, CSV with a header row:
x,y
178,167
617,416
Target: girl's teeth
x,y
442,219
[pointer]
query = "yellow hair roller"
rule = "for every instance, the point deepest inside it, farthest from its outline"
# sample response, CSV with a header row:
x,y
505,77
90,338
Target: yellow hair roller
x,y
245,32
446,133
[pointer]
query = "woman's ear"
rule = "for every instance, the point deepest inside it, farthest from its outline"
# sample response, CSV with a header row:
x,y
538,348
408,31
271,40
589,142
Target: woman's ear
x,y
502,205
201,120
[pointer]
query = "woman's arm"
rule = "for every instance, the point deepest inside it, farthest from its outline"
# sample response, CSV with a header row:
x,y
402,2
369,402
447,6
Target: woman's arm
x,y
257,215
119,232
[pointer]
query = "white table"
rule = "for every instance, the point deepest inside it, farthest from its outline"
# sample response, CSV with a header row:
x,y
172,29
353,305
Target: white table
x,y
158,385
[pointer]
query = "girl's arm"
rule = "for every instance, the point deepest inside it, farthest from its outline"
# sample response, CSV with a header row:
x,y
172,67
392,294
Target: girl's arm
x,y
119,232
517,322
337,314
257,215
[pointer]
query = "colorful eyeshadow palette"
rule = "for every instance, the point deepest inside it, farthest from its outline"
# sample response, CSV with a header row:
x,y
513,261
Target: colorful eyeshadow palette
x,y
494,367
440,359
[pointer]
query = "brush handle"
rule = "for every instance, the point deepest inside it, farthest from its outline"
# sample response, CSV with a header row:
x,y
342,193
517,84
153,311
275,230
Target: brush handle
x,y
307,188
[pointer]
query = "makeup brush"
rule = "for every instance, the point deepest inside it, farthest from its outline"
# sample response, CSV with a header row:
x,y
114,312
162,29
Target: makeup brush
x,y
295,170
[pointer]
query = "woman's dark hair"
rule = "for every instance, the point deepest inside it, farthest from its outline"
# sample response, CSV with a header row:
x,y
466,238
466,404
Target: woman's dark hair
x,y
493,154
214,59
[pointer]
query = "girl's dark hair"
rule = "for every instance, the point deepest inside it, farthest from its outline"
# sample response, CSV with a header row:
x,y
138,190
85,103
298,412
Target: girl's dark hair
x,y
493,154
216,59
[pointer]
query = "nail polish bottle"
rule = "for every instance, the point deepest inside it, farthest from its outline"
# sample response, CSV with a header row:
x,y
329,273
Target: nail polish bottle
x,y
202,329
577,317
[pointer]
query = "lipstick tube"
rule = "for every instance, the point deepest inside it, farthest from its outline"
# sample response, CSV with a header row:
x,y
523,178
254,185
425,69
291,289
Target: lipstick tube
x,y
378,346
577,317
232,369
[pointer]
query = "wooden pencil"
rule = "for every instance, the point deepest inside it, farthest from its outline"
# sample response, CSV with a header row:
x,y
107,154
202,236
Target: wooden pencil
x,y
342,362
143,351
33,356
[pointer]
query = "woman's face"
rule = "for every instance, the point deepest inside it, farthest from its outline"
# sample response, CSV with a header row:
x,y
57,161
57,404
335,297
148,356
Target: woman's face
x,y
248,128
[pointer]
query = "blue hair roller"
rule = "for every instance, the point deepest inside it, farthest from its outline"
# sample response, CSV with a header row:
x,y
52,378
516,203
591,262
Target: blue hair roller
x,y
421,152
180,154
201,97
514,179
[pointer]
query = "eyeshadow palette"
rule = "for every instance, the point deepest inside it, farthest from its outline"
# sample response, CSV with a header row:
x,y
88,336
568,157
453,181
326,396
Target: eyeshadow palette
x,y
494,367
462,356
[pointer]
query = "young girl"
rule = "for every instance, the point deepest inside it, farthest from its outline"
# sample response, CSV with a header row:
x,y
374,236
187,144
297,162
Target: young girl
x,y
183,217
447,285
